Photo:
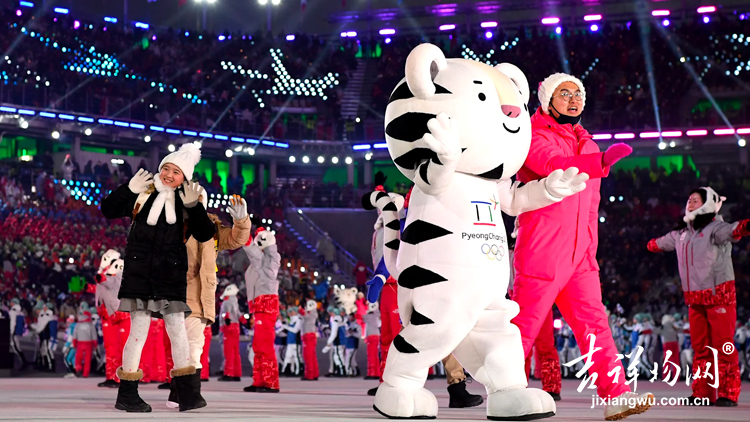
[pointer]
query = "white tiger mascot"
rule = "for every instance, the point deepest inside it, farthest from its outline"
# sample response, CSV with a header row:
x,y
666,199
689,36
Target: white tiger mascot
x,y
459,129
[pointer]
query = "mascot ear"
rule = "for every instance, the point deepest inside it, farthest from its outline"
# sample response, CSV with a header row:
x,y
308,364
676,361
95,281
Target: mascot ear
x,y
422,65
516,75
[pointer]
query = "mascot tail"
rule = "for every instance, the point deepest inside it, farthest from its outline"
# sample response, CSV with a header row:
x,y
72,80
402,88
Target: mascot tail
x,y
392,231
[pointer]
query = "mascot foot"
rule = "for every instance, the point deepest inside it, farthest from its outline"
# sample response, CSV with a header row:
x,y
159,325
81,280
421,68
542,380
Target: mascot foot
x,y
523,404
402,403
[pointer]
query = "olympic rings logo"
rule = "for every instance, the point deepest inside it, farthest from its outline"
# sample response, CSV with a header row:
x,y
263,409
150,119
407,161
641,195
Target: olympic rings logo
x,y
493,252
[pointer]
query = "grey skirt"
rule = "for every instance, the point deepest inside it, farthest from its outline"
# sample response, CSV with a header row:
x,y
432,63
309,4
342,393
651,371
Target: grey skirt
x,y
158,308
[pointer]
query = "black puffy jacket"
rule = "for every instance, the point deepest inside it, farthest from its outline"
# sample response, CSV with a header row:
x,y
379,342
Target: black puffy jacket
x,y
156,256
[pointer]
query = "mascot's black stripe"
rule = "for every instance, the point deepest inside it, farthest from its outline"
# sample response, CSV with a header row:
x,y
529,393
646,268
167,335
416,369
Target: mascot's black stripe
x,y
421,231
494,174
394,225
411,159
393,244
419,319
403,346
367,202
423,172
380,196
409,127
402,92
441,90
390,206
416,276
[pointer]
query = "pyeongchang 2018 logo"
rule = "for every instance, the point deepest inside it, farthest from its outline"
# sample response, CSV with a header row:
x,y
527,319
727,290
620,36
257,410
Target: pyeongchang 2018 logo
x,y
493,252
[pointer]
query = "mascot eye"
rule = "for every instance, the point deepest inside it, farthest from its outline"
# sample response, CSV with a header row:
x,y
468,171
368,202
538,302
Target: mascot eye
x,y
525,107
482,97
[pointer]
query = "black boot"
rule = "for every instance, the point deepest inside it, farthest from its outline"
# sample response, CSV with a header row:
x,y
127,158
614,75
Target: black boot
x,y
173,402
109,384
228,378
127,396
256,389
555,396
725,402
188,385
165,386
460,398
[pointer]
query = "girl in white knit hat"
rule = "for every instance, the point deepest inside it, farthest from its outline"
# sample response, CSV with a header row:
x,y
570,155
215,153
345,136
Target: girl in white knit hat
x,y
165,212
555,254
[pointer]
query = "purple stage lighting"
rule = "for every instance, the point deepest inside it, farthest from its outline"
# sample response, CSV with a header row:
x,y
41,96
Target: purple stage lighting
x,y
550,20
488,35
447,27
706,9
488,25
387,31
558,30
592,18
594,28
665,22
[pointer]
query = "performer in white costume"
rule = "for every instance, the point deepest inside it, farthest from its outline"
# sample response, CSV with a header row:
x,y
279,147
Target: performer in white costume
x,y
459,129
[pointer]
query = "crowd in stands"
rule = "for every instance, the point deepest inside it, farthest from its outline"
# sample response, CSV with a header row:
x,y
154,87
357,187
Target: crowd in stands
x,y
611,61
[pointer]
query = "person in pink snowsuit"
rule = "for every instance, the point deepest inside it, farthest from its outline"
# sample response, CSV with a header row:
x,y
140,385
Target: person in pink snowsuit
x,y
555,254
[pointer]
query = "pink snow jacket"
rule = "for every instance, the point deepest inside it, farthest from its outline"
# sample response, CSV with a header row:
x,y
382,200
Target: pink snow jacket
x,y
564,233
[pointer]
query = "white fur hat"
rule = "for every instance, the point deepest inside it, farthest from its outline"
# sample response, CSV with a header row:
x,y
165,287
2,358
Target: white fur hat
x,y
186,158
550,84
231,290
713,204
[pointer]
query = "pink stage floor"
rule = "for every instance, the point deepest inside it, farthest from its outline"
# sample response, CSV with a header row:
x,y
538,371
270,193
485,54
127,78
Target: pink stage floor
x,y
329,399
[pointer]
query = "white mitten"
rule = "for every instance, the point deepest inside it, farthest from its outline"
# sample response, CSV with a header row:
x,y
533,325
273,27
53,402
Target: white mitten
x,y
563,184
141,181
237,208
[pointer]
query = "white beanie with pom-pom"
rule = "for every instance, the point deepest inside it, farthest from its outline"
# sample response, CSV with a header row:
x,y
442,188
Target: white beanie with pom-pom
x,y
550,84
186,158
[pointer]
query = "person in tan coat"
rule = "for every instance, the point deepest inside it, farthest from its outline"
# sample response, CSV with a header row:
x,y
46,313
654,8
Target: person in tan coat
x,y
201,276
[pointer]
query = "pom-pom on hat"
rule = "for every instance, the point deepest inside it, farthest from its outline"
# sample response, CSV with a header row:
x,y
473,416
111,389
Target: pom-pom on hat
x,y
550,84
186,158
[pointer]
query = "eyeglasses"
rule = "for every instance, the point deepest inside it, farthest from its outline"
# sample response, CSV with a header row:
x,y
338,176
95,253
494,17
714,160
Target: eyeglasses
x,y
568,96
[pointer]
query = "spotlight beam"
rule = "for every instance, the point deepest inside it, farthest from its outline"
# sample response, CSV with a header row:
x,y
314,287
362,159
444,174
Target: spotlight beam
x,y
691,70
644,26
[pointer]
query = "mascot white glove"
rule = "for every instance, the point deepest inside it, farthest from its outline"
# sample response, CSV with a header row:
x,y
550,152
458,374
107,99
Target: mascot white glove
x,y
326,349
192,193
562,184
237,208
443,139
141,181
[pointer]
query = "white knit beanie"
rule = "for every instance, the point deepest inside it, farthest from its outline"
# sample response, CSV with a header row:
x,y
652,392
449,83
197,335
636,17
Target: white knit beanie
x,y
185,158
550,84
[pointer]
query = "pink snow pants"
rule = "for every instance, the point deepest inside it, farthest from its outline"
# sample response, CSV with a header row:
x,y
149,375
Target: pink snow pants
x,y
577,293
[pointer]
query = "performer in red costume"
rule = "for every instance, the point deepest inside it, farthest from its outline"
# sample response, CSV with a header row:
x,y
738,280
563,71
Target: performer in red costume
x,y
310,341
206,352
230,328
115,324
84,342
263,288
704,257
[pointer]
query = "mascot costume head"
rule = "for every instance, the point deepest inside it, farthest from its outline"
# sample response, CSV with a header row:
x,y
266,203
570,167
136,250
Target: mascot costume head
x,y
346,299
108,281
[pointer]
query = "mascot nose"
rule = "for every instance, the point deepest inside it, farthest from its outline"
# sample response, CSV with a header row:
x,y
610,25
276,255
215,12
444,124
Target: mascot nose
x,y
511,111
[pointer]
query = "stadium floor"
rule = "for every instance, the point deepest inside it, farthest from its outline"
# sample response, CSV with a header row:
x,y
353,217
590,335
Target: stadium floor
x,y
329,399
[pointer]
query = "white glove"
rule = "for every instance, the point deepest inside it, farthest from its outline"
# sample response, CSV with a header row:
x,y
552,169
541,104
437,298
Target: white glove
x,y
443,139
326,349
563,184
192,193
141,181
237,208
